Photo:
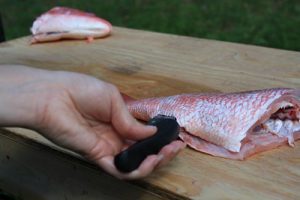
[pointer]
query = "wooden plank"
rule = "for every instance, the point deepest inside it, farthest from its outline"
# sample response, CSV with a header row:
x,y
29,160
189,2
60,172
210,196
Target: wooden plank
x,y
33,140
32,171
144,64
158,60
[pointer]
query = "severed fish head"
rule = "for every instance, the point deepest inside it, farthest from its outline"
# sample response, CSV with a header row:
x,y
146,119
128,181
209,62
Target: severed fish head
x,y
68,23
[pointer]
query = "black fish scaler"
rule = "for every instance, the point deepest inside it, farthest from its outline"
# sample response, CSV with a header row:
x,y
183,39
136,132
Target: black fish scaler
x,y
167,131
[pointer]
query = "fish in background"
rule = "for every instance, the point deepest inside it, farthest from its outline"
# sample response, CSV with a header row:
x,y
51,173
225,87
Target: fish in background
x,y
68,23
232,125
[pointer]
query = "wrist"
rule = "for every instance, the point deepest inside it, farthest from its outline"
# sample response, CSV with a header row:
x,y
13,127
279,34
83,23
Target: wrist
x,y
13,111
17,99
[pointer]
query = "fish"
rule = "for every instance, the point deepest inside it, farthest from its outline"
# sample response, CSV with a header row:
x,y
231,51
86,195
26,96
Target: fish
x,y
230,125
68,23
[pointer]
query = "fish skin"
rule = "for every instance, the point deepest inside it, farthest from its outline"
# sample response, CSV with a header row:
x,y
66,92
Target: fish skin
x,y
221,119
68,23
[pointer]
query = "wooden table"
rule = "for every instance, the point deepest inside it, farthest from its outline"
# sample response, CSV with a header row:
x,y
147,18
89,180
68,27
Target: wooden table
x,y
144,64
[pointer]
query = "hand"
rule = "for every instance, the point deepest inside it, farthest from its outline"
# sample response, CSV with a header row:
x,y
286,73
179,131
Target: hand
x,y
78,112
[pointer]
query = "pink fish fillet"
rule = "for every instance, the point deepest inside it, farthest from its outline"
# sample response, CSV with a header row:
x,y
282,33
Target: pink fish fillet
x,y
68,23
234,125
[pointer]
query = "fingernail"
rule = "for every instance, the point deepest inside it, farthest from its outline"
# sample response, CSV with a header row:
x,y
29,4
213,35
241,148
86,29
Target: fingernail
x,y
160,157
152,127
176,149
183,146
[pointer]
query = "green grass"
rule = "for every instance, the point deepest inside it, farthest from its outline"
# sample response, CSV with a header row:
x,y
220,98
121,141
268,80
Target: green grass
x,y
271,23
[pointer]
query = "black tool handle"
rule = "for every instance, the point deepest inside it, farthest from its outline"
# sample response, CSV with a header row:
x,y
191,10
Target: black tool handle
x,y
167,131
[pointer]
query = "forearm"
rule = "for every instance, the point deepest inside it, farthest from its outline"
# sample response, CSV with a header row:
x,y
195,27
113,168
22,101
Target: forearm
x,y
16,102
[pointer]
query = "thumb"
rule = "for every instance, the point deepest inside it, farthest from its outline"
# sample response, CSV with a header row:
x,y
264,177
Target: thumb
x,y
125,123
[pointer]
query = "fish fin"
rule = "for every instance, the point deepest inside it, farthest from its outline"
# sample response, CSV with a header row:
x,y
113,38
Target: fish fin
x,y
127,98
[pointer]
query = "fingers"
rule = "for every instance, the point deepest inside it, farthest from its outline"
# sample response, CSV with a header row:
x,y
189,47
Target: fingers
x,y
170,151
147,166
125,123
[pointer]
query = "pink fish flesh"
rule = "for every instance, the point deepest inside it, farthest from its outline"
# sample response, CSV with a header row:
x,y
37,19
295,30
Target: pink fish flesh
x,y
68,23
234,125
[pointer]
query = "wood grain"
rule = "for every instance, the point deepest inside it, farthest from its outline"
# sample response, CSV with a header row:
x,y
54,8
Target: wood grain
x,y
144,64
32,171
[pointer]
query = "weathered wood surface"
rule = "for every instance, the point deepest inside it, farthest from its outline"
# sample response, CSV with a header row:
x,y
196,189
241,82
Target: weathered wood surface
x,y
29,170
144,64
